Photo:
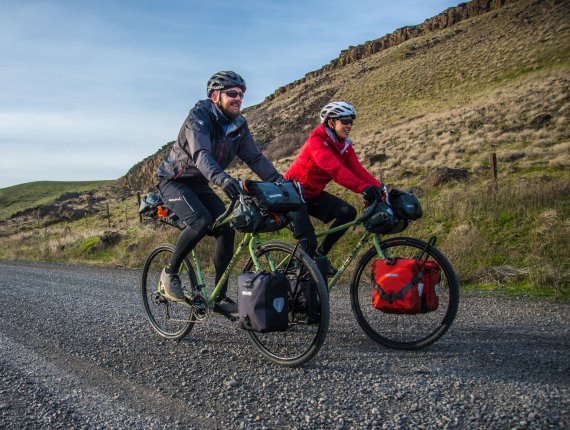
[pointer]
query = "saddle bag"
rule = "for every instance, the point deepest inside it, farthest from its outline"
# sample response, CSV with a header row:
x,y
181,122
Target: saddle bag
x,y
395,286
262,301
275,196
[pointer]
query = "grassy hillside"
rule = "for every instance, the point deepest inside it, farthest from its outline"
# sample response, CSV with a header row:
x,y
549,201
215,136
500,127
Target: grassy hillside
x,y
497,83
20,197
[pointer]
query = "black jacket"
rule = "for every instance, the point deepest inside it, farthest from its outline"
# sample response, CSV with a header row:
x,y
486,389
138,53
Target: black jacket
x,y
208,143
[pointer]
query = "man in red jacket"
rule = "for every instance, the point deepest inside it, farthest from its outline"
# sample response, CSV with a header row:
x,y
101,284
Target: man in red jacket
x,y
328,155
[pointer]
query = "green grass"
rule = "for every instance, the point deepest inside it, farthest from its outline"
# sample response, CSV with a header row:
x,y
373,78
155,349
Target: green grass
x,y
20,197
514,241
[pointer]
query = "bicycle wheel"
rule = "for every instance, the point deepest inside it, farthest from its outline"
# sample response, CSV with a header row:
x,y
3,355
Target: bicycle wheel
x,y
397,330
307,330
169,320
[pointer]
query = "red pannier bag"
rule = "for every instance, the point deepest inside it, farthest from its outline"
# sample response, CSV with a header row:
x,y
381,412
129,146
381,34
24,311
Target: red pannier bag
x,y
395,286
429,286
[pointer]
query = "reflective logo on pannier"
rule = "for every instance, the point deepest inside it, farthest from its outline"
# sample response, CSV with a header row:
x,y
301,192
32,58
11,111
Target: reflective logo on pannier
x,y
279,304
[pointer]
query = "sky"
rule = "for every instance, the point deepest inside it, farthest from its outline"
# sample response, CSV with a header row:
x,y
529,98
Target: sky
x,y
90,88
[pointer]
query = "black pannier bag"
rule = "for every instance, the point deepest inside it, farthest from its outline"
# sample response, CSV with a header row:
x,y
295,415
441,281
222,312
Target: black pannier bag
x,y
305,304
275,196
262,301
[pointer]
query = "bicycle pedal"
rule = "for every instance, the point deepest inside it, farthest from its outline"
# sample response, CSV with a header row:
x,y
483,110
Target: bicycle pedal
x,y
201,309
219,310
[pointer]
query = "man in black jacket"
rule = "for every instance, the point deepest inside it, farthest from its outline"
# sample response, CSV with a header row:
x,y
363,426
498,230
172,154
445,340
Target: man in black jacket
x,y
212,135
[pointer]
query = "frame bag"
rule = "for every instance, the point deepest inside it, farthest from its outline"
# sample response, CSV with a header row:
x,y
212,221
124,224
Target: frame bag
x,y
262,301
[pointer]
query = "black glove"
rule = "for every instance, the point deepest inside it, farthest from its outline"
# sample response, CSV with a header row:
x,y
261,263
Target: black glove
x,y
278,177
232,188
372,193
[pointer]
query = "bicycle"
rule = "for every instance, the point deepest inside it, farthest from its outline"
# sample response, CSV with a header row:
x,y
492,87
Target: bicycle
x,y
399,331
293,347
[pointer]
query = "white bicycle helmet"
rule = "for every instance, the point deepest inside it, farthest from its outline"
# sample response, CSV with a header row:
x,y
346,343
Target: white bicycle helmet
x,y
337,110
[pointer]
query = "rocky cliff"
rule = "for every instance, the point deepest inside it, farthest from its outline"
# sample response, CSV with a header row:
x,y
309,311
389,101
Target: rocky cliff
x,y
446,19
266,119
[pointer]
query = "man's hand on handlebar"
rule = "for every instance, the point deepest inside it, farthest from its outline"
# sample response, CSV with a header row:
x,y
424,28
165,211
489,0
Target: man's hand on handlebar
x,y
278,177
232,188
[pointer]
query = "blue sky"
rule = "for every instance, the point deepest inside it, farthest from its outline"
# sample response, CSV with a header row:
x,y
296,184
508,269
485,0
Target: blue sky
x,y
89,88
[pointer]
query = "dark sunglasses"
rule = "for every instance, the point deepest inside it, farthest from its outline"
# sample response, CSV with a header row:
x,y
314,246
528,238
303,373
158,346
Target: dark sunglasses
x,y
346,121
233,94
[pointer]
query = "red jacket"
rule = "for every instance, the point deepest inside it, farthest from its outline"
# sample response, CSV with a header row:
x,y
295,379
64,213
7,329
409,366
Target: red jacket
x,y
323,158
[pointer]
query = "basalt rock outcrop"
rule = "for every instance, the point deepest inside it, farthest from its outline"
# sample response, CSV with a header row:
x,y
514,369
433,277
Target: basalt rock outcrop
x,y
446,19
270,126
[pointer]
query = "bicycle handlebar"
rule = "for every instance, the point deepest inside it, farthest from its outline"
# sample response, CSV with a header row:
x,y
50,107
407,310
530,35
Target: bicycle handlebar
x,y
363,217
223,216
367,213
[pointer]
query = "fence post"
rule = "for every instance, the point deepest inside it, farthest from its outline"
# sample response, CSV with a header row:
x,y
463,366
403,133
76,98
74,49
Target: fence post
x,y
108,216
493,164
139,205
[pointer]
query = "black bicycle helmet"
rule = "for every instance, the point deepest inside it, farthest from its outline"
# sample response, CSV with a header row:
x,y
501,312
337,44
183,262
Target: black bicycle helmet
x,y
225,79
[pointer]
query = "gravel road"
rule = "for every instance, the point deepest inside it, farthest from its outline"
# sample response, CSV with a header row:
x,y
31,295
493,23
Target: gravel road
x,y
76,352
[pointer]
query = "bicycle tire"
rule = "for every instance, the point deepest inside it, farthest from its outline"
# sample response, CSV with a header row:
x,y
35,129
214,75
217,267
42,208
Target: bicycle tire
x,y
396,330
168,319
302,341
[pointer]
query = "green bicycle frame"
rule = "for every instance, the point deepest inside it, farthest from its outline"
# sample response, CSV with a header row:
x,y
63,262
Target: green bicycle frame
x,y
251,241
354,252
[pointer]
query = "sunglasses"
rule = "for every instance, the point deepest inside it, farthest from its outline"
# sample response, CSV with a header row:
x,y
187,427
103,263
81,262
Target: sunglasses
x,y
346,121
233,94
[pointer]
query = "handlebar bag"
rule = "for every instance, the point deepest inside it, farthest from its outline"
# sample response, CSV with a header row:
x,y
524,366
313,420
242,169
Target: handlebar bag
x,y
247,218
430,291
395,286
262,301
275,196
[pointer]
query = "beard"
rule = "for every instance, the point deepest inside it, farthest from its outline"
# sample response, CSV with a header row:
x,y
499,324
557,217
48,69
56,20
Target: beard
x,y
230,114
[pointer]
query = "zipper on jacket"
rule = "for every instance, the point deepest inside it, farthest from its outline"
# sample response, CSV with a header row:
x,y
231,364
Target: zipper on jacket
x,y
224,144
